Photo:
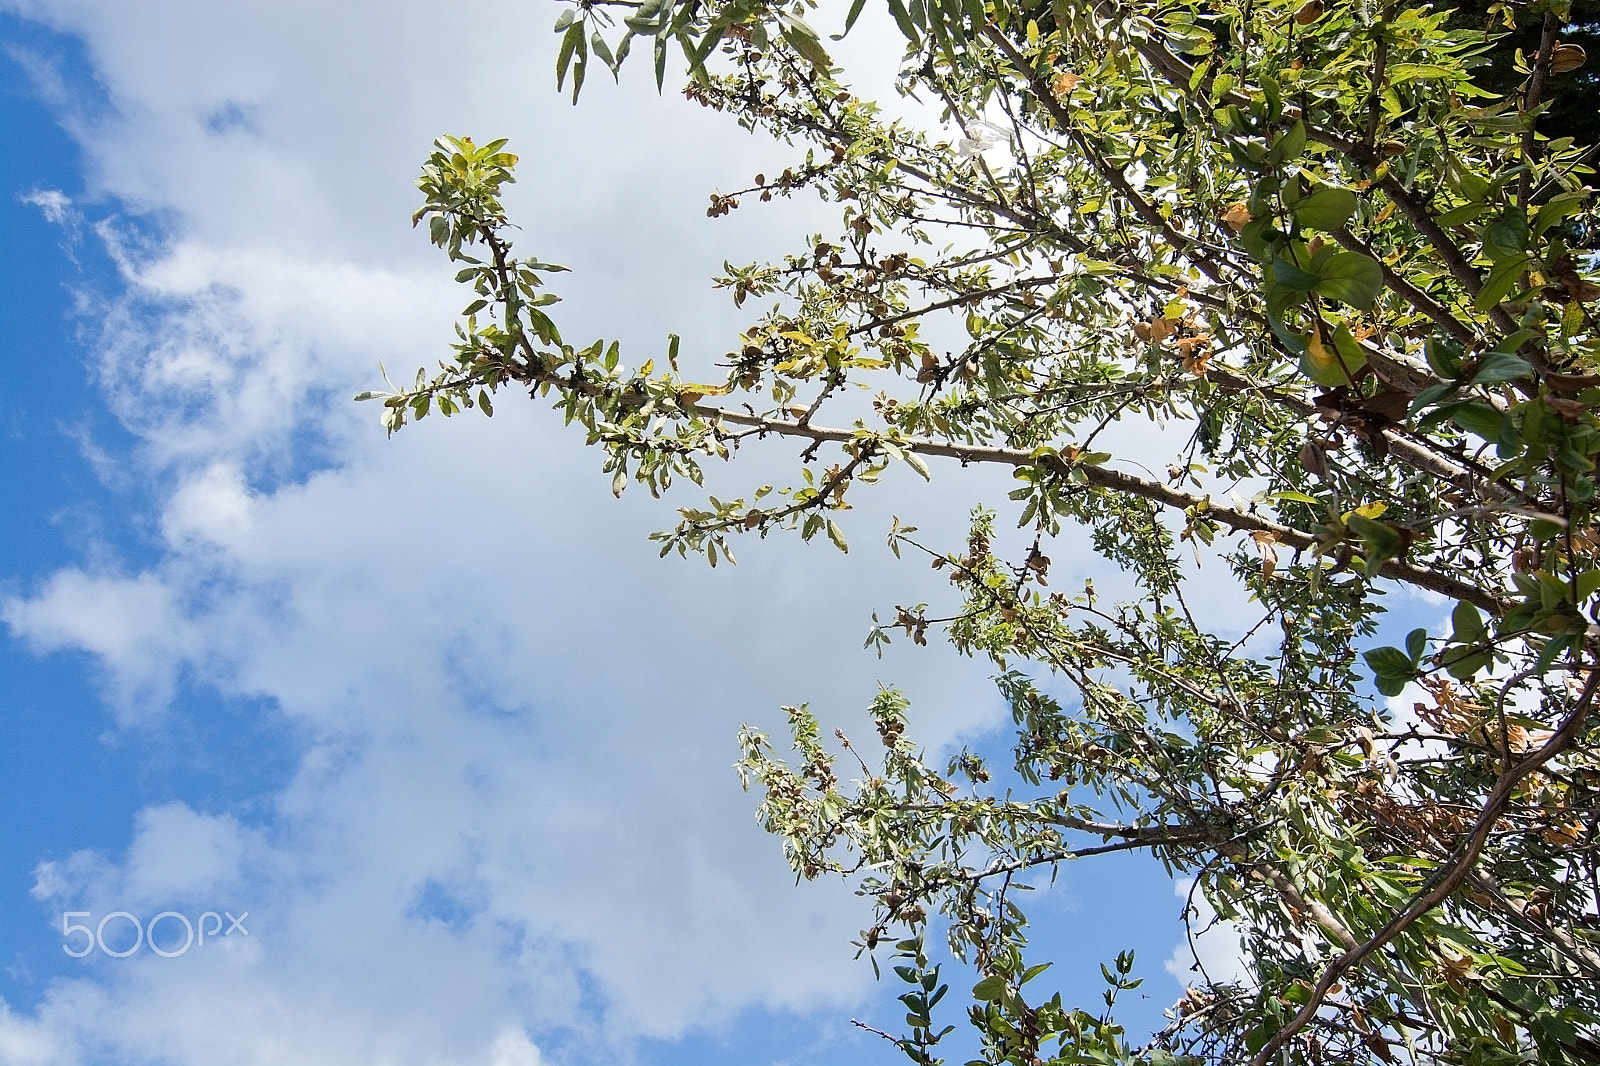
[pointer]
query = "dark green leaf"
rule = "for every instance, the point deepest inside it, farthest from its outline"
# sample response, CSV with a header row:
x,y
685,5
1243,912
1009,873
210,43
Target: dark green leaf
x,y
1501,366
1291,276
1391,669
1475,417
1351,278
1506,236
1467,624
1290,146
569,45
850,19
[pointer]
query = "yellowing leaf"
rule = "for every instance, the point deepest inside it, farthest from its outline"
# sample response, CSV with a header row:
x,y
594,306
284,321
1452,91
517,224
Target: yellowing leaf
x,y
1565,835
1266,543
689,395
1332,360
1237,217
1321,362
1063,83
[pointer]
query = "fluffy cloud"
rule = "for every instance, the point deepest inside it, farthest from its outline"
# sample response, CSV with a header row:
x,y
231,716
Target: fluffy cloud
x,y
515,777
131,624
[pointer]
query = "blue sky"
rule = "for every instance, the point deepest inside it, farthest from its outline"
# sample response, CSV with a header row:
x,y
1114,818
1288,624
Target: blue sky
x,y
430,710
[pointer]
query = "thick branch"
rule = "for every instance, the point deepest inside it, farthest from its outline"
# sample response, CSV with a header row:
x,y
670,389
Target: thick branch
x,y
1535,94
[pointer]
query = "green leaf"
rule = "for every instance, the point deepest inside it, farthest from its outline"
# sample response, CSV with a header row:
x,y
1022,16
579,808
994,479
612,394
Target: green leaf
x,y
1467,624
569,44
1332,364
1326,207
1501,281
804,41
1403,72
1380,541
1506,236
989,989
1291,276
1290,146
1444,355
579,68
1473,186
1457,216
1351,278
1462,663
1557,209
1431,395
850,19
1501,366
602,50
1475,417
902,18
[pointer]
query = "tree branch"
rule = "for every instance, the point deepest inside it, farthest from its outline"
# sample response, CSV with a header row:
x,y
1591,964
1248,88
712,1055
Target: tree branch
x,y
1449,876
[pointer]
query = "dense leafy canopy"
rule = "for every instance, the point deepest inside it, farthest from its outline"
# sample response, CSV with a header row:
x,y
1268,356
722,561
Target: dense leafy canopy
x,y
1302,258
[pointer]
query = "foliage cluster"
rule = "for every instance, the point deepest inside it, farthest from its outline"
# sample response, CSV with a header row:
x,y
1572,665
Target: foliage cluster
x,y
1311,251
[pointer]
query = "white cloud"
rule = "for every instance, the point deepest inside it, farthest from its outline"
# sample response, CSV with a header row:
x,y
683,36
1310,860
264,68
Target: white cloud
x,y
132,624
54,204
29,1042
513,1048
549,728
1213,951
214,505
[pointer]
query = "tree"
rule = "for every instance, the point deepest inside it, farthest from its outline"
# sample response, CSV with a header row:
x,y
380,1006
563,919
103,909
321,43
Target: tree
x,y
1299,248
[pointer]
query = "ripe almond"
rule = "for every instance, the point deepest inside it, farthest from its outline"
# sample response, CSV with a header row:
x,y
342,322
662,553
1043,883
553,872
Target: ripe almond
x,y
1567,57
